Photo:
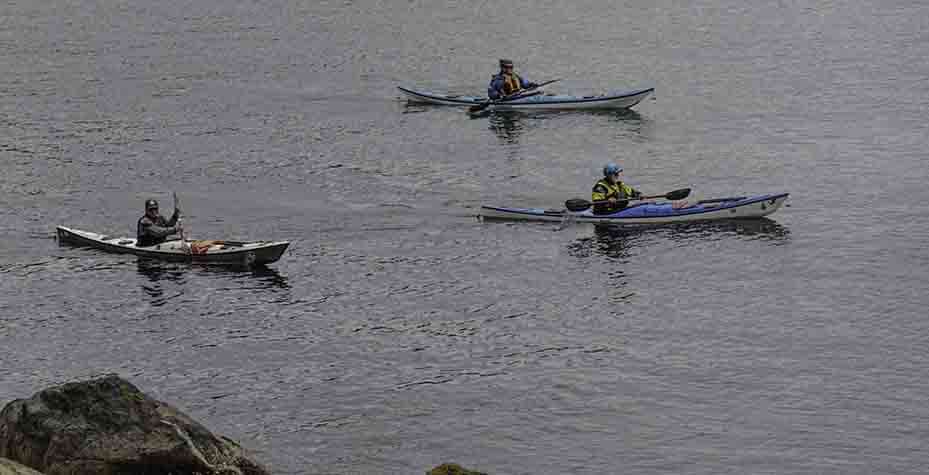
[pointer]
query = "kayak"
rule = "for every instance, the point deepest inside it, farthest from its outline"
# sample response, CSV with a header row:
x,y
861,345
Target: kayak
x,y
214,252
739,207
616,100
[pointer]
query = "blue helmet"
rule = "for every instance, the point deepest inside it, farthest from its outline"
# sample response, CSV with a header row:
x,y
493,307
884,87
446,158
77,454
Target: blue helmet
x,y
612,169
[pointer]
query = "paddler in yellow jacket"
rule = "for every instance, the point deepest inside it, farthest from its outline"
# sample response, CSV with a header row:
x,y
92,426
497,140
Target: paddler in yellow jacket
x,y
610,191
507,82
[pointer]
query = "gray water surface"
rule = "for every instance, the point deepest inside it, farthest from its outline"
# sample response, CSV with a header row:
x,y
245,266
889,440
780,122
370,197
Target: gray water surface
x,y
398,331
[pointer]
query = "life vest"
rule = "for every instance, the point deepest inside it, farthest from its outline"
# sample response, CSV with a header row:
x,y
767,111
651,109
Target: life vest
x,y
511,83
604,190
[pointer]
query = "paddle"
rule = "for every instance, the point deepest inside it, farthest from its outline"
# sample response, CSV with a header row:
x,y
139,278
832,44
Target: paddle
x,y
179,226
512,97
519,95
578,204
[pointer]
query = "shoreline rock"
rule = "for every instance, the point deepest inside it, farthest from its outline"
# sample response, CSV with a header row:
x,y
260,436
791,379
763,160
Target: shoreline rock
x,y
452,469
10,467
107,426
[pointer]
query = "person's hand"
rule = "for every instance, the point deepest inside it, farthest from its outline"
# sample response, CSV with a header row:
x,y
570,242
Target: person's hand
x,y
531,85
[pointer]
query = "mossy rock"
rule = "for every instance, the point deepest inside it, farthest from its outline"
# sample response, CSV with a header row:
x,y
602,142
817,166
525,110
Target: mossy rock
x,y
107,426
452,469
9,467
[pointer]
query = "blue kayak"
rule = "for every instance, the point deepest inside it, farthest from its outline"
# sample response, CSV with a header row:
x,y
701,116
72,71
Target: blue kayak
x,y
651,213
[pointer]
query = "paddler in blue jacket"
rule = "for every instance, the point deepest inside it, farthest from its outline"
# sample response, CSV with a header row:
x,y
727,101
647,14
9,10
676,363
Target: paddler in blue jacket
x,y
611,190
507,82
153,228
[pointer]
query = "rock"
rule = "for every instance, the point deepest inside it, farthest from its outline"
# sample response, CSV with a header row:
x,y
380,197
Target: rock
x,y
452,469
107,426
9,467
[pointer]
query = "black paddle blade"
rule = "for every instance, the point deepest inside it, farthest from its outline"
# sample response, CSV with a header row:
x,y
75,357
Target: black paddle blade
x,y
678,194
577,204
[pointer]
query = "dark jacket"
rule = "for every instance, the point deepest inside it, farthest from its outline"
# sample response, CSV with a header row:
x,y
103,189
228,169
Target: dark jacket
x,y
150,232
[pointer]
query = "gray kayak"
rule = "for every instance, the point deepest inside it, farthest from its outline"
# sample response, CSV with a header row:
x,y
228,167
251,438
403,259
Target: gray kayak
x,y
207,251
614,100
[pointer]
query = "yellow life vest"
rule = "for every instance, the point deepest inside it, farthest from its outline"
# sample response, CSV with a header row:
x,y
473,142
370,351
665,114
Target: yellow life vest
x,y
604,190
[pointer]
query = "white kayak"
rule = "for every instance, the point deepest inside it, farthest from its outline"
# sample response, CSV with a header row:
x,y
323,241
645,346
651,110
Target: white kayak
x,y
208,251
651,213
614,100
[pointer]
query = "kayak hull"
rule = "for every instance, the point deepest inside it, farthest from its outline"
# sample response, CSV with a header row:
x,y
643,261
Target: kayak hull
x,y
212,252
616,100
646,214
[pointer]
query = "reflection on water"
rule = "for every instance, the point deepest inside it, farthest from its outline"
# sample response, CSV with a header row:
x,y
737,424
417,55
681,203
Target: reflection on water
x,y
269,276
754,228
509,125
612,242
410,107
631,123
160,272
615,242
157,271
758,228
627,116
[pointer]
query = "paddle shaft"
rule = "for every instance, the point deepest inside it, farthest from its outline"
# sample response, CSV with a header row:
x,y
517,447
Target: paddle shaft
x,y
578,204
518,95
180,227
546,83
184,239
623,200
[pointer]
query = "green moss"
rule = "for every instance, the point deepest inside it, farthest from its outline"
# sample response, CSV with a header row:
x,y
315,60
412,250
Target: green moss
x,y
452,469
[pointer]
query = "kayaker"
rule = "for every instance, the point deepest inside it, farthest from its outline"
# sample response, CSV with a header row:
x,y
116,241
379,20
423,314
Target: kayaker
x,y
507,82
611,190
153,228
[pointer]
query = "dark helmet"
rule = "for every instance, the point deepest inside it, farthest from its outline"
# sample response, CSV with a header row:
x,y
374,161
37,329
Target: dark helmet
x,y
612,169
151,204
505,63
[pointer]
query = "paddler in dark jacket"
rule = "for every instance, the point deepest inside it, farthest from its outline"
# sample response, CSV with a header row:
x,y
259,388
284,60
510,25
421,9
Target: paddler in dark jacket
x,y
153,228
507,82
612,190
